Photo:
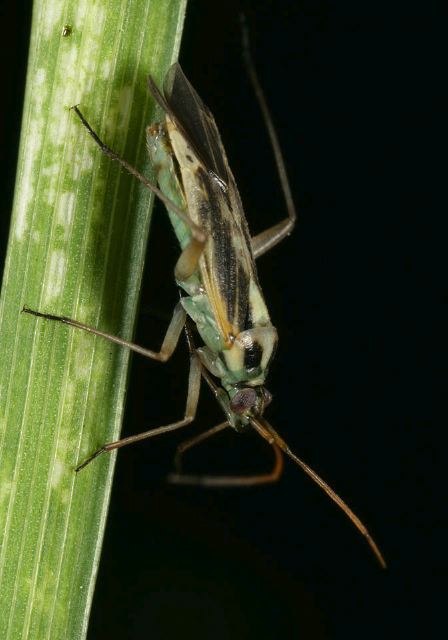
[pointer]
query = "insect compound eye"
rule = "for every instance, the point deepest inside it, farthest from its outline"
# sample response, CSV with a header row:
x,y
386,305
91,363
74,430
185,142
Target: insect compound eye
x,y
267,397
243,400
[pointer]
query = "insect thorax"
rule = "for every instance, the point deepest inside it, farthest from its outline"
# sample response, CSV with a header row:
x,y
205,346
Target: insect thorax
x,y
244,360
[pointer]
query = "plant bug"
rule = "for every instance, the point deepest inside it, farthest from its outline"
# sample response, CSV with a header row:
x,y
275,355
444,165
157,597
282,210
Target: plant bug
x,y
217,276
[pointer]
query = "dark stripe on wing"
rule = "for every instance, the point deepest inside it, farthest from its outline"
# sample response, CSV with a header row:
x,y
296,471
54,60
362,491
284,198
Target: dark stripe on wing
x,y
227,269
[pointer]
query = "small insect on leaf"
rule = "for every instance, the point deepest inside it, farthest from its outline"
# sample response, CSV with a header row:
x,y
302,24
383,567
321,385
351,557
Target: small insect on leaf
x,y
217,276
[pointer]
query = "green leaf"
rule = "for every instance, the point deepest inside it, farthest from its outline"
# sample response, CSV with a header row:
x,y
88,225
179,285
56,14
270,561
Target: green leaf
x,y
77,246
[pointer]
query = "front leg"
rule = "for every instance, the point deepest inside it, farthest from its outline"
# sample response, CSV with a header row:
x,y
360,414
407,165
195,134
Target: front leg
x,y
222,481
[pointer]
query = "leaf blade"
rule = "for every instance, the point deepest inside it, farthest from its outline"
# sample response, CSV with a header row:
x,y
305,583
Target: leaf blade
x,y
77,245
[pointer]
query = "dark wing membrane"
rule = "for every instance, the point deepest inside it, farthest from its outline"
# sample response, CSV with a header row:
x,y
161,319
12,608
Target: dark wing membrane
x,y
195,121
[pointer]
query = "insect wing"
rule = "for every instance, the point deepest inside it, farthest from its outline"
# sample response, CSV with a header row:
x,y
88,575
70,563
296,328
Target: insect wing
x,y
195,121
228,267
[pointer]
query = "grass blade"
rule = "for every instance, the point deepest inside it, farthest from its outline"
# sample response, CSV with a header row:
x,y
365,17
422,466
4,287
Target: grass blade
x,y
77,245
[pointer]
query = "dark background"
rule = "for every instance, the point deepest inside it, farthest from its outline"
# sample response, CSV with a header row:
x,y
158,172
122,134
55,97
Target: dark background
x,y
356,91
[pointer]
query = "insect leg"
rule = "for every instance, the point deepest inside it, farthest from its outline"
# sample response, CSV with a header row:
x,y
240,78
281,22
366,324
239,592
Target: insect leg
x,y
168,345
221,481
196,231
194,384
193,442
188,259
267,239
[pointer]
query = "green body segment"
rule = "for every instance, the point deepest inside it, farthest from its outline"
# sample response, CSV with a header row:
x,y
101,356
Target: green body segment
x,y
163,162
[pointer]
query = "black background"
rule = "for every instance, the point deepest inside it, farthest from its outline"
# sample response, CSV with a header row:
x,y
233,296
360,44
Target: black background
x,y
356,91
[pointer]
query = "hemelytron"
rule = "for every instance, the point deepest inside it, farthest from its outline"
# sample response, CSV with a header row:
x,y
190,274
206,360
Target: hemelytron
x,y
217,276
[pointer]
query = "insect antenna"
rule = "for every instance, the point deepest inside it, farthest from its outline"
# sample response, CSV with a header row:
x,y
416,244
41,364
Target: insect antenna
x,y
269,434
273,137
